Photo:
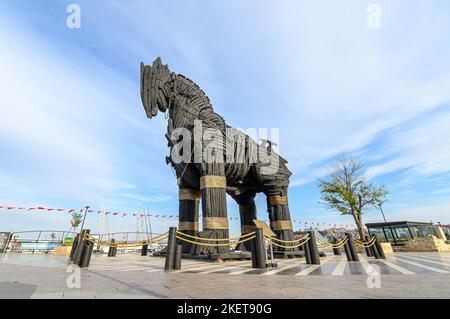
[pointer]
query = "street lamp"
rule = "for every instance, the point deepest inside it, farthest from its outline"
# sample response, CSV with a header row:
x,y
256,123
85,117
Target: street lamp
x,y
86,207
382,213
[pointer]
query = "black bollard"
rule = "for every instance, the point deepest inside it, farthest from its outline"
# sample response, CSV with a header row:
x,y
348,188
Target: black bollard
x,y
314,251
80,247
336,251
87,253
144,250
170,250
352,248
74,246
254,254
369,250
178,255
260,249
379,249
307,251
348,254
112,249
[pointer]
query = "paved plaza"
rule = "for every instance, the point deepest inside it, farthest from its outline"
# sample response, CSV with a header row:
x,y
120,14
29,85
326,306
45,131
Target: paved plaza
x,y
401,275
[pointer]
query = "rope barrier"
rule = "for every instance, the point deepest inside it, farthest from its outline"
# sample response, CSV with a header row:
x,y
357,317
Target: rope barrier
x,y
339,244
295,246
287,241
212,239
365,244
156,239
214,245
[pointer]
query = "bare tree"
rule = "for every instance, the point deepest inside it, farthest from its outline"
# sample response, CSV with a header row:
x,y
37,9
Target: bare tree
x,y
346,189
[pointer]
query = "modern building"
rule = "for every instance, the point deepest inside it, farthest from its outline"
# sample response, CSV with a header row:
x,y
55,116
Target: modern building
x,y
398,232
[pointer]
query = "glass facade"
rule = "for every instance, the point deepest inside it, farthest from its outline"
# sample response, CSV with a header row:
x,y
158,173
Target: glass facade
x,y
400,232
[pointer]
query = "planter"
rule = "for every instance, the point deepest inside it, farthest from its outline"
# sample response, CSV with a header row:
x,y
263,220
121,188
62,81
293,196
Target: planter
x,y
62,251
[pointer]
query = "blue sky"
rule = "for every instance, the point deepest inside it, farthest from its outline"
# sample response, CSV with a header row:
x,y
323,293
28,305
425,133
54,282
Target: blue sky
x,y
73,130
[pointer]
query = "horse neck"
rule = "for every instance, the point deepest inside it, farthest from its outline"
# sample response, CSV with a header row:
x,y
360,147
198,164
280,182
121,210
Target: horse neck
x,y
189,103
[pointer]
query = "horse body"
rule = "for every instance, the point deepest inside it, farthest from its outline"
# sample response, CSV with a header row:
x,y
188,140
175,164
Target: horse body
x,y
236,165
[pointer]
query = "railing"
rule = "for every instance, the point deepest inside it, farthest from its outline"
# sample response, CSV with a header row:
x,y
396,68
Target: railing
x,y
36,240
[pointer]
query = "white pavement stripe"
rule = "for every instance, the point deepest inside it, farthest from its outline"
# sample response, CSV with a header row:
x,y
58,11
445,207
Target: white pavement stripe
x,y
397,267
311,268
277,270
365,264
433,257
437,256
112,268
340,268
220,269
154,270
243,271
307,271
426,260
198,268
136,268
422,266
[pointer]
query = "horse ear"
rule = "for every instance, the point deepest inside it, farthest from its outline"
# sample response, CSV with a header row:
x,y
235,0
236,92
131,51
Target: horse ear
x,y
157,61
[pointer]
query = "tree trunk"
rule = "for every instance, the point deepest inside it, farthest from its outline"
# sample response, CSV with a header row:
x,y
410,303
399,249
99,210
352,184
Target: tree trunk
x,y
358,222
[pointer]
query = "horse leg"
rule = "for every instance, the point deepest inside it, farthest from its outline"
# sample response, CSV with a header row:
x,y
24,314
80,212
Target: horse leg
x,y
214,207
280,218
247,212
188,214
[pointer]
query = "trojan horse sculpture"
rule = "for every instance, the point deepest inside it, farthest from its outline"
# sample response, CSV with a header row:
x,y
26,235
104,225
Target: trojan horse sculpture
x,y
234,163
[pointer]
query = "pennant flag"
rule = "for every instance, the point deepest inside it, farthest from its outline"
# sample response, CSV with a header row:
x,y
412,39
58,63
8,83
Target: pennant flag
x,y
61,209
72,210
21,208
124,214
115,214
31,208
41,208
9,208
50,209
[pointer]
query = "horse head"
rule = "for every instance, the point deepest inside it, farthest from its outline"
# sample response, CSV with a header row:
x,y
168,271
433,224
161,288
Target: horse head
x,y
154,93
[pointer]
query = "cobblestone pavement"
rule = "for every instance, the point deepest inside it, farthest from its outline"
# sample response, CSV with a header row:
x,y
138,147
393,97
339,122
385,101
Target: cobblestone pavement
x,y
401,275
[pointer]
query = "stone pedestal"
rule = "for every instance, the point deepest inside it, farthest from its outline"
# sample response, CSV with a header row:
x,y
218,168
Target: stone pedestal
x,y
429,243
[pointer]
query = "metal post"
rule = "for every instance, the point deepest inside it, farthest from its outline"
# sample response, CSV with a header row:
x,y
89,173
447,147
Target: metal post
x,y
260,250
307,252
352,248
374,251
369,250
111,250
170,252
254,254
178,255
379,249
87,253
144,250
336,251
74,246
315,260
80,246
348,254
382,213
